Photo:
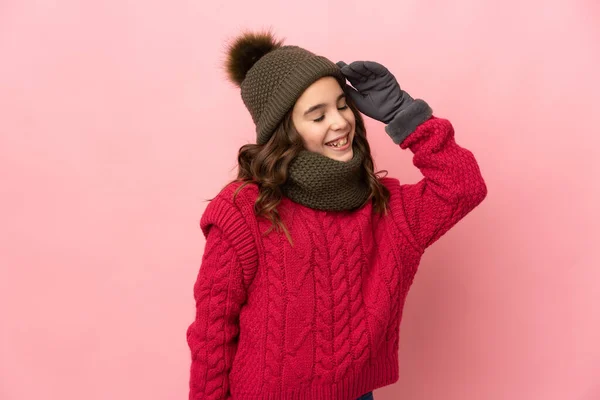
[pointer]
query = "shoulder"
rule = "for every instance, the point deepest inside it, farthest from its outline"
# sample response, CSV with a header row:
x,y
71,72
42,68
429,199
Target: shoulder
x,y
394,186
239,194
233,206
232,212
391,184
397,210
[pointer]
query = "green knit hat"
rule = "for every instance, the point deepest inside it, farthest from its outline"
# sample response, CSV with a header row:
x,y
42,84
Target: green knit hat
x,y
273,76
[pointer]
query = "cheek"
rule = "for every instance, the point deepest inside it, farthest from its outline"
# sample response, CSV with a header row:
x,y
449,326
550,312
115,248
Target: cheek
x,y
350,118
313,136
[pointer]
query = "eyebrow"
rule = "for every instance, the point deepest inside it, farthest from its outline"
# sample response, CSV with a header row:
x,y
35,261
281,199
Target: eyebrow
x,y
317,106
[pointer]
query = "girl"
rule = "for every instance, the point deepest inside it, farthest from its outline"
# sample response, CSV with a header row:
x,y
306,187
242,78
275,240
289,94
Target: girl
x,y
310,253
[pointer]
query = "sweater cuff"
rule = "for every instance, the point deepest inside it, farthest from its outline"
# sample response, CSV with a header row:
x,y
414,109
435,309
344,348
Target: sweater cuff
x,y
407,120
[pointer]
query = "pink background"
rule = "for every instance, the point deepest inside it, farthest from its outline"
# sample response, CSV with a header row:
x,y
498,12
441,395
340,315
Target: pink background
x,y
116,123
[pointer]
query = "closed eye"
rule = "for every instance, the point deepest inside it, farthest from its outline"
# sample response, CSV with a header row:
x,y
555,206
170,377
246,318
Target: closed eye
x,y
322,117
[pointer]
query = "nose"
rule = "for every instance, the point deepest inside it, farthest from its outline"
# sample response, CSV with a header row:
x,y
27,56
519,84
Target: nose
x,y
339,122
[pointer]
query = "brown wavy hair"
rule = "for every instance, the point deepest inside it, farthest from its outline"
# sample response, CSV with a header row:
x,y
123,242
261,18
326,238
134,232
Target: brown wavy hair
x,y
267,166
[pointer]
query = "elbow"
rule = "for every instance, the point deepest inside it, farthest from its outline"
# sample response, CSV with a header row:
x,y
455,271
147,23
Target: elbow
x,y
480,191
468,193
473,192
474,189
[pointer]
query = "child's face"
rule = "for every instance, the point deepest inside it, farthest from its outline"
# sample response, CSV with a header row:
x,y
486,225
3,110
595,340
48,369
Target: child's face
x,y
321,116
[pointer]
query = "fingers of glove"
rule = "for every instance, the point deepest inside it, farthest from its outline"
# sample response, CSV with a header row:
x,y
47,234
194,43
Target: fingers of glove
x,y
356,72
374,76
376,68
364,69
353,76
367,75
360,70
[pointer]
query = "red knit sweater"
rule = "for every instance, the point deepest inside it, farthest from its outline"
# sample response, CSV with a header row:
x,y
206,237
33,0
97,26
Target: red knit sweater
x,y
320,320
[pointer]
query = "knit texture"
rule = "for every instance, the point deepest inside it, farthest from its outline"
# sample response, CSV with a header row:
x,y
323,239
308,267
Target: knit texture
x,y
277,80
322,183
320,320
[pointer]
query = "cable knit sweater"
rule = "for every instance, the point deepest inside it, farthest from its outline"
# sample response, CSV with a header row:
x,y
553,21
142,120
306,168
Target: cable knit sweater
x,y
320,320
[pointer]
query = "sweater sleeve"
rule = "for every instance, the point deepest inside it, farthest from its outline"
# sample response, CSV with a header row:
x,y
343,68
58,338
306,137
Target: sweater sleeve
x,y
452,185
220,291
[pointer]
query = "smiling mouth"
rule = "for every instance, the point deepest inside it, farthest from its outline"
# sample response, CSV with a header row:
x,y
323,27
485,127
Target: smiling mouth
x,y
339,142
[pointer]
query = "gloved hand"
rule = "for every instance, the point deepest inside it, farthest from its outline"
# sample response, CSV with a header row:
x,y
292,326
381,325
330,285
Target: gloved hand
x,y
378,95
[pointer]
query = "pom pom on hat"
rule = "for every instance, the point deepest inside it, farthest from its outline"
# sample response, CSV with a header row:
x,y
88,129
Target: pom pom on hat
x,y
245,51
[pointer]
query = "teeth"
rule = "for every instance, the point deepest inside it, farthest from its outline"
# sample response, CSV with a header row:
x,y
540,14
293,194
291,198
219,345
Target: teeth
x,y
339,143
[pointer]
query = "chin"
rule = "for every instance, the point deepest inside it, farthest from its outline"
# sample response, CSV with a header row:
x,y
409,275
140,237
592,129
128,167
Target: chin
x,y
344,157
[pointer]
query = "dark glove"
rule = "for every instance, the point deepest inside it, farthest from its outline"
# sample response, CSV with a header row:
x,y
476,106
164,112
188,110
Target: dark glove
x,y
378,95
